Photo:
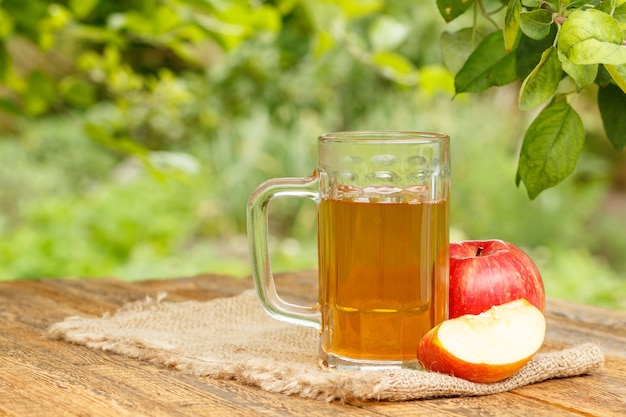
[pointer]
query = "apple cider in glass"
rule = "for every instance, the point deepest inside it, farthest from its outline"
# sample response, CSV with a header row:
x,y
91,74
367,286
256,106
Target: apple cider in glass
x,y
382,282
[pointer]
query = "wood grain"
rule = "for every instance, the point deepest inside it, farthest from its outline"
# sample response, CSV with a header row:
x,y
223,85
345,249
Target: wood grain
x,y
41,377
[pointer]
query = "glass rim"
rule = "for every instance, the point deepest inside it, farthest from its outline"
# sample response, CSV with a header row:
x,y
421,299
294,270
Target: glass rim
x,y
383,136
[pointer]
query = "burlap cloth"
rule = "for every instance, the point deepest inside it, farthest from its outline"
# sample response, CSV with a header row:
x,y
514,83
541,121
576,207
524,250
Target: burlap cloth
x,y
233,338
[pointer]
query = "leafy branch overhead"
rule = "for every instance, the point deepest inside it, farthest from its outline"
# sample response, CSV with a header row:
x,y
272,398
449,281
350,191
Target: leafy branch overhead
x,y
558,49
145,74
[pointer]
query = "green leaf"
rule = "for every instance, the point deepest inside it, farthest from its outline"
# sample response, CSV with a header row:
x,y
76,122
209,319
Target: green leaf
x,y
435,78
359,8
577,4
322,43
529,52
618,74
394,61
536,24
27,16
512,23
612,105
554,5
489,65
160,21
451,9
592,37
551,148
531,3
603,77
285,7
40,93
6,24
203,6
82,8
583,75
396,67
592,51
542,82
619,13
77,92
504,71
266,18
458,46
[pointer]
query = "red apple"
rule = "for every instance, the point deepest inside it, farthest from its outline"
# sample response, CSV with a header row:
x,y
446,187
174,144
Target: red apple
x,y
484,273
487,347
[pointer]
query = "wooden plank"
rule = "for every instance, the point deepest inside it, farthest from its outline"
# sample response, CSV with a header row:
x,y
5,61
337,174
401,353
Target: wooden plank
x,y
44,377
49,378
71,380
568,321
292,287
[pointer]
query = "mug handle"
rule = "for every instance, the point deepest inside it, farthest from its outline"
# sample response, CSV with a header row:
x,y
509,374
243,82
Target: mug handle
x,y
257,215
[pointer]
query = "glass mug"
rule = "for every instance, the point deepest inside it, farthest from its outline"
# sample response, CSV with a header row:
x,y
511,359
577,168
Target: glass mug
x,y
383,245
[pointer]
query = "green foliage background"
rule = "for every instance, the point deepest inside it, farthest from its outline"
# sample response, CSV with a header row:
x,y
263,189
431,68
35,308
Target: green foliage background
x,y
133,133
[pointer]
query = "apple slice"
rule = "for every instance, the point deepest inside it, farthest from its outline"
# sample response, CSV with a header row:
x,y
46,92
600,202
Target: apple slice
x,y
486,347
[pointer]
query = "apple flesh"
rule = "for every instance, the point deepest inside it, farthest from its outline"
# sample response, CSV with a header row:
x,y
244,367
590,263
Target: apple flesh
x,y
484,273
487,347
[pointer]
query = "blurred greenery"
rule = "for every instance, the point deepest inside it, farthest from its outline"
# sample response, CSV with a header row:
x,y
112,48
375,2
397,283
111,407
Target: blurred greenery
x,y
133,135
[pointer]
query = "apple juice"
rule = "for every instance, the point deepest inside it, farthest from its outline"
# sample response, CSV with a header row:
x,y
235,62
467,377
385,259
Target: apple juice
x,y
383,272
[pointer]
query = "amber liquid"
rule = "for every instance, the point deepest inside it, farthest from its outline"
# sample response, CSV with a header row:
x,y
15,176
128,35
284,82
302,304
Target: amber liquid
x,y
383,277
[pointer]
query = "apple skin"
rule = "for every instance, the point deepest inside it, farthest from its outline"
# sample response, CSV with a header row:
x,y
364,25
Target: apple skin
x,y
496,274
517,325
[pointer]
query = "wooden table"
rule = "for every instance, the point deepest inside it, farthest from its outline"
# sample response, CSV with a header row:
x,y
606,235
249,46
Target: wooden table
x,y
46,377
